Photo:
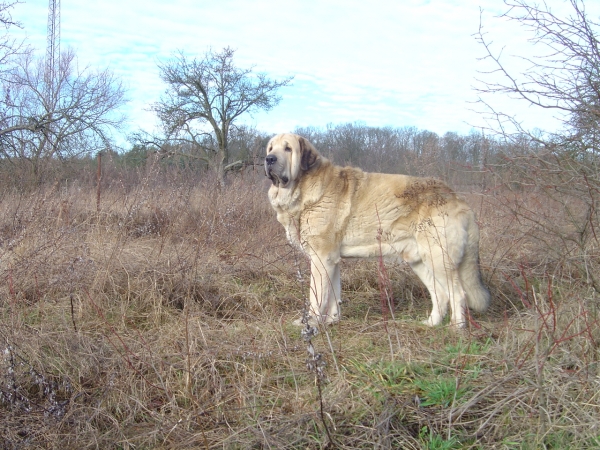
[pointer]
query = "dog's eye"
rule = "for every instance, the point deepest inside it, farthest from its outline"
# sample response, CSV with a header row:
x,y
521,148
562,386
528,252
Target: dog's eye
x,y
288,148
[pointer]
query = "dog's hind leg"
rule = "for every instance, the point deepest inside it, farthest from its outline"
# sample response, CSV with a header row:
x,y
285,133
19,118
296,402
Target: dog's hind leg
x,y
448,288
439,299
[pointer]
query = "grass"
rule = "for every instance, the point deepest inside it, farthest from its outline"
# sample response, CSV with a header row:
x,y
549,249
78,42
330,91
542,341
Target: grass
x,y
163,320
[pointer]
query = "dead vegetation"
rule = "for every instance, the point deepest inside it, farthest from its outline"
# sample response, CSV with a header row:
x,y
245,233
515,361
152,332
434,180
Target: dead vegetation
x,y
163,320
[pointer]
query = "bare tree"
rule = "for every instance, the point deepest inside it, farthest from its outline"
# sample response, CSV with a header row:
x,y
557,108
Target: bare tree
x,y
76,118
565,77
206,97
9,47
561,166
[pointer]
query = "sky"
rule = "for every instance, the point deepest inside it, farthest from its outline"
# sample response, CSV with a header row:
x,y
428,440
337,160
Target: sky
x,y
383,63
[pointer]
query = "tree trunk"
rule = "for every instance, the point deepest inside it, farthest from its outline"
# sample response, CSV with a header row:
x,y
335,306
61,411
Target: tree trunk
x,y
222,156
220,168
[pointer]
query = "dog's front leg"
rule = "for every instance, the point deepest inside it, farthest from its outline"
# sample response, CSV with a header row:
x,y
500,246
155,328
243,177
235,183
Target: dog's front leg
x,y
325,288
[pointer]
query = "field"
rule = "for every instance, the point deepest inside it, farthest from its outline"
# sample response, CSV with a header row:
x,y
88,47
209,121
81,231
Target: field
x,y
160,317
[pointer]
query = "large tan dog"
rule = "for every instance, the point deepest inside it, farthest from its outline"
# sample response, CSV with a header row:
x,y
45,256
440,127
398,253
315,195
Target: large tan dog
x,y
334,212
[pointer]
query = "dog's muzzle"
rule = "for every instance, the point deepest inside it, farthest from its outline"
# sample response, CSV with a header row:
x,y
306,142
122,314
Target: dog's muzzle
x,y
270,161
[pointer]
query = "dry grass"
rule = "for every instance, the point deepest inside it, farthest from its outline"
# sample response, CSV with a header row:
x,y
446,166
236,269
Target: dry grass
x,y
163,321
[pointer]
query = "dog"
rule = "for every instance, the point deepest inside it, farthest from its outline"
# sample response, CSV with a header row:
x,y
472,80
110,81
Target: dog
x,y
332,212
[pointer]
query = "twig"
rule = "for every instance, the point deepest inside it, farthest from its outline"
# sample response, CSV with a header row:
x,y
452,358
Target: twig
x,y
72,312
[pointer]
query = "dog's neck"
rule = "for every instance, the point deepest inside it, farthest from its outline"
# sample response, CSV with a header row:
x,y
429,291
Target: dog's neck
x,y
284,198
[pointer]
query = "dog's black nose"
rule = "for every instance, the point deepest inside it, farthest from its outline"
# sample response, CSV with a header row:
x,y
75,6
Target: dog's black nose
x,y
271,159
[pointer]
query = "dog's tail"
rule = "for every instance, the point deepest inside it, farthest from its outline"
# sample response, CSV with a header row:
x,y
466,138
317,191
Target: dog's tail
x,y
478,296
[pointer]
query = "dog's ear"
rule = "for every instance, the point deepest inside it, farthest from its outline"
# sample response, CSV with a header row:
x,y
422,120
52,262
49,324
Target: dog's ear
x,y
308,154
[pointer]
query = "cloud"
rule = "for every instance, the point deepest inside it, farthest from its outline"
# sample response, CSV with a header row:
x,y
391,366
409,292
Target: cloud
x,y
409,63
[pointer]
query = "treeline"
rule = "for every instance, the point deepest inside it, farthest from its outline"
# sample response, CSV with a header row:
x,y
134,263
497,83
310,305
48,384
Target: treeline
x,y
458,159
404,150
407,150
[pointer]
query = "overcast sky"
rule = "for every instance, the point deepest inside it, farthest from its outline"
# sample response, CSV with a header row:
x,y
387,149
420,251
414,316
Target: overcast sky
x,y
396,62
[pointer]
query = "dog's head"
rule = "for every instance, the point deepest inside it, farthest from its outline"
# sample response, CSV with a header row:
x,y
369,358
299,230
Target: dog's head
x,y
289,156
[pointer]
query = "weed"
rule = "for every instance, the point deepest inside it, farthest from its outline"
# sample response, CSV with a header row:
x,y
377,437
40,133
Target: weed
x,y
432,441
163,321
440,391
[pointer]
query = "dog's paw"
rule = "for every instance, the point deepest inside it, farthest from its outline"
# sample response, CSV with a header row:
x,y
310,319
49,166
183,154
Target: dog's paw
x,y
314,322
430,322
332,320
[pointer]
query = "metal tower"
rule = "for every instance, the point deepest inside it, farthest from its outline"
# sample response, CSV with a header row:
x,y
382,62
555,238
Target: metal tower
x,y
53,44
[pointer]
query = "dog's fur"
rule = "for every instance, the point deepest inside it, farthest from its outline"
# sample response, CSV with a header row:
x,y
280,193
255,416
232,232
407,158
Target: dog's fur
x,y
333,212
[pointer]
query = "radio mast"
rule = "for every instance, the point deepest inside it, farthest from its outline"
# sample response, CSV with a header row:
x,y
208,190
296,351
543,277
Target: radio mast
x,y
51,71
53,48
